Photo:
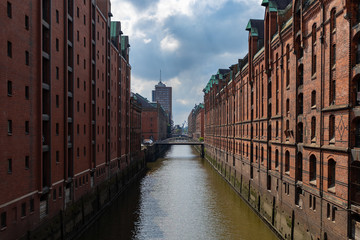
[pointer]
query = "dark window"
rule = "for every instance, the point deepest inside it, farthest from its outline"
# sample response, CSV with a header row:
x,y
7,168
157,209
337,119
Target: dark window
x,y
333,55
313,49
9,49
287,106
77,35
77,12
84,42
27,162
84,20
9,10
57,16
312,168
57,156
331,127
54,194
287,65
313,98
84,85
333,213
78,82
313,127
31,205
357,135
57,73
9,126
23,209
57,129
27,128
299,171
9,88
314,203
57,44
9,165
328,211
77,152
3,219
27,92
27,25
301,103
84,107
333,19
269,182
77,59
57,101
60,192
331,173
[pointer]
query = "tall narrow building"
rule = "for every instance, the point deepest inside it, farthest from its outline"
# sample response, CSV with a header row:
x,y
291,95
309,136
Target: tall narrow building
x,y
163,95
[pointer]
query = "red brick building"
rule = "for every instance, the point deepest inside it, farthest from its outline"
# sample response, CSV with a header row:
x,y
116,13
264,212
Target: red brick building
x,y
282,123
135,127
196,122
154,120
63,68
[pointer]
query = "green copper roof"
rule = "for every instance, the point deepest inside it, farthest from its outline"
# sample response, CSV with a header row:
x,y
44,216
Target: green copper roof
x,y
113,32
253,30
265,3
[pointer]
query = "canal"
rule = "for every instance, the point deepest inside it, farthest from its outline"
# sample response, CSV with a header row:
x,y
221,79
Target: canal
x,y
181,197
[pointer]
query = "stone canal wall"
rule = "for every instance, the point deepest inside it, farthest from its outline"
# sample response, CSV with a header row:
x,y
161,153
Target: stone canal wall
x,y
276,214
76,218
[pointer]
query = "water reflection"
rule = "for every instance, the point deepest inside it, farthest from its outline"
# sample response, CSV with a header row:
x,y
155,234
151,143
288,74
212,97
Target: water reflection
x,y
181,197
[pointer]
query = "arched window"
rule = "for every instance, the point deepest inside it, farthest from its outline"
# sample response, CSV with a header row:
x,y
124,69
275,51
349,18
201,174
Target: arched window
x,y
313,98
313,127
333,19
301,103
276,158
288,106
277,129
312,168
287,65
301,75
269,158
298,173
332,128
313,34
300,132
287,161
331,173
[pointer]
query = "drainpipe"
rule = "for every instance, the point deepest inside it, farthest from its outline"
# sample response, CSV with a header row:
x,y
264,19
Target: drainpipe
x,y
322,40
348,17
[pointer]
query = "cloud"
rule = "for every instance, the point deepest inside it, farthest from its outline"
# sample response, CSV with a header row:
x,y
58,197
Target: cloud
x,y
147,40
169,43
189,40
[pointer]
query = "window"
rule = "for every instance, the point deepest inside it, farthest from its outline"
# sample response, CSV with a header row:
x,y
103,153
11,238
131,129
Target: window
x,y
328,211
77,59
60,192
77,129
9,88
57,129
27,162
77,152
54,194
27,130
84,20
333,213
27,92
276,158
10,127
57,101
331,173
299,168
287,65
333,55
301,103
313,127
77,12
9,49
57,16
57,72
9,10
332,128
57,44
287,161
9,165
314,203
57,157
313,34
32,205
84,151
313,98
333,20
84,42
84,85
77,35
23,209
269,182
287,106
312,168
27,25
84,107
269,158
3,220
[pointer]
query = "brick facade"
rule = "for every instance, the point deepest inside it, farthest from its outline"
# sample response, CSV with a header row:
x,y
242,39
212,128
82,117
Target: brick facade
x,y
65,74
196,122
283,121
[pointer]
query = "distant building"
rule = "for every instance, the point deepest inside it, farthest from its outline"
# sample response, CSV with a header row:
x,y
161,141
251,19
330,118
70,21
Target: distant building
x,y
163,95
196,122
154,119
135,127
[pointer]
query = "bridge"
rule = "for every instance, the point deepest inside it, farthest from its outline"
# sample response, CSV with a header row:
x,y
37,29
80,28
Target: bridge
x,y
182,141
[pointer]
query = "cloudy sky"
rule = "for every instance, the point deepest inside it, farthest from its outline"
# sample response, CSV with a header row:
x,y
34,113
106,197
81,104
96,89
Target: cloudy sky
x,y
189,40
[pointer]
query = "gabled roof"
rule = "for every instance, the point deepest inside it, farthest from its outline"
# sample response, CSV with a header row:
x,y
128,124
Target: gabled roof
x,y
256,28
275,5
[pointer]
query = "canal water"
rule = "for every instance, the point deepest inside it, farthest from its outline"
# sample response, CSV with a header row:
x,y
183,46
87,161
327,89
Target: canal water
x,y
181,197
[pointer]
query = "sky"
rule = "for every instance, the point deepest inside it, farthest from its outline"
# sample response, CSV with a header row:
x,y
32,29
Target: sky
x,y
188,40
